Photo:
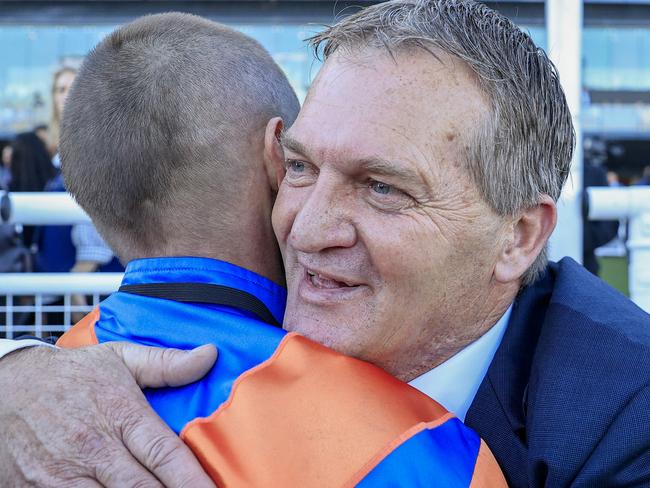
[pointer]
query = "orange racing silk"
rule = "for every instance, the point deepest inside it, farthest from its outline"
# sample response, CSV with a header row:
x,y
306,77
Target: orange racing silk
x,y
296,413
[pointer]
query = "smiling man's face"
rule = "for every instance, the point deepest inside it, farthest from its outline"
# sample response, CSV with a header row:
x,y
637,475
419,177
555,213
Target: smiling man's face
x,y
388,247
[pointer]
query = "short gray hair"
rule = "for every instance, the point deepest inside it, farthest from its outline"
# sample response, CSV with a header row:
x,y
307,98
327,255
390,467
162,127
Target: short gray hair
x,y
524,149
159,119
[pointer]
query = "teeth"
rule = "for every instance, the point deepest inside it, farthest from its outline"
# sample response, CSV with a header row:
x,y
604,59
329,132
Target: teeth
x,y
321,281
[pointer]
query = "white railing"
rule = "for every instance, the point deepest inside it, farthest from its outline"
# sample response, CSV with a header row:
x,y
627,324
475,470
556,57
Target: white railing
x,y
29,294
42,303
38,303
633,204
41,208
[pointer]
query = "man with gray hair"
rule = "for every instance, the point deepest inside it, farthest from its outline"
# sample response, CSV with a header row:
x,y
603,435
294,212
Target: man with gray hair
x,y
418,193
421,179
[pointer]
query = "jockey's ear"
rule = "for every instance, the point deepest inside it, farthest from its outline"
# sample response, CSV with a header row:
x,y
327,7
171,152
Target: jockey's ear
x,y
273,153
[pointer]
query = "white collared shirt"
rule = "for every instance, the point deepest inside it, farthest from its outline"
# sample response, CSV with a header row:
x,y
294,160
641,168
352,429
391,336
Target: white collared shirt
x,y
455,382
11,345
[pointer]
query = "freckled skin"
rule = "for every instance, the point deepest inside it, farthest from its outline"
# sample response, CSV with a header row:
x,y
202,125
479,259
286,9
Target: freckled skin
x,y
424,252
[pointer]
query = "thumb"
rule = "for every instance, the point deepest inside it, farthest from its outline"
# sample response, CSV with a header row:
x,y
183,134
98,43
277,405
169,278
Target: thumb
x,y
155,367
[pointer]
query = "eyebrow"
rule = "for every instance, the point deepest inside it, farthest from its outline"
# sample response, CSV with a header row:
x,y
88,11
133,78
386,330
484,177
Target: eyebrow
x,y
373,164
383,167
292,144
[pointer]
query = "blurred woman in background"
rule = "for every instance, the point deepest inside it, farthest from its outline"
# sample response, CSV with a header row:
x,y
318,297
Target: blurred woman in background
x,y
55,252
34,167
78,248
34,158
31,165
61,84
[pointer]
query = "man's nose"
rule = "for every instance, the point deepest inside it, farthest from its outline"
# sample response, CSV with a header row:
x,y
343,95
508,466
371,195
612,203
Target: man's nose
x,y
324,221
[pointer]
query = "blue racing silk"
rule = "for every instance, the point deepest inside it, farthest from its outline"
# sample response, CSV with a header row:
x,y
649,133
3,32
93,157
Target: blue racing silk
x,y
278,409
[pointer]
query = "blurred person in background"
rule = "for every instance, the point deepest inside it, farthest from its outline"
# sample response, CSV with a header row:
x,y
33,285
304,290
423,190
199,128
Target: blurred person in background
x,y
56,252
613,179
35,161
645,177
5,167
596,233
13,255
30,163
42,132
61,84
78,248
28,157
31,169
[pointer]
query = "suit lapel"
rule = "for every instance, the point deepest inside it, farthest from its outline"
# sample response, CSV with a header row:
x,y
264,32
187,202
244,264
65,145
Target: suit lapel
x,y
498,412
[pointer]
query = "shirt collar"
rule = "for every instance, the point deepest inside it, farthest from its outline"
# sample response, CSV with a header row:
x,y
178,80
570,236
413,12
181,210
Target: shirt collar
x,y
455,382
206,270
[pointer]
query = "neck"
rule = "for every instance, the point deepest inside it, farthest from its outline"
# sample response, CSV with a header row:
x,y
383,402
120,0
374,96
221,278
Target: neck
x,y
246,240
250,245
475,324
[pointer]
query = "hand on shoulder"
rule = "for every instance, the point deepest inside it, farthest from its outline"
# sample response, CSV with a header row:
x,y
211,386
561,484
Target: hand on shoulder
x,y
78,417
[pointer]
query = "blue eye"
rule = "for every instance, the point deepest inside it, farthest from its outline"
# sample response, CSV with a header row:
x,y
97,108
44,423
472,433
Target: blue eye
x,y
297,166
381,188
300,173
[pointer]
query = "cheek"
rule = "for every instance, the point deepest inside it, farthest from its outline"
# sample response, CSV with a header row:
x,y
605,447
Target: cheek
x,y
478,247
406,249
419,270
405,260
284,213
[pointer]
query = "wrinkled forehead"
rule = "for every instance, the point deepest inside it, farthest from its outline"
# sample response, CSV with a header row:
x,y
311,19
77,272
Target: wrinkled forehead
x,y
414,102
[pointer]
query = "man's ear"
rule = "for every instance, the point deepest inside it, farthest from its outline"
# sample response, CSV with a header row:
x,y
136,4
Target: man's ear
x,y
273,153
527,238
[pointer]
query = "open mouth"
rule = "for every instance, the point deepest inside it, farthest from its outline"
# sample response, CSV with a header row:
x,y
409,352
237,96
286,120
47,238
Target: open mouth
x,y
323,282
327,289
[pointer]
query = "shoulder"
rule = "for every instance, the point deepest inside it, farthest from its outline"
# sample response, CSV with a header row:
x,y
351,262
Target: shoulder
x,y
590,372
621,456
592,334
578,320
580,299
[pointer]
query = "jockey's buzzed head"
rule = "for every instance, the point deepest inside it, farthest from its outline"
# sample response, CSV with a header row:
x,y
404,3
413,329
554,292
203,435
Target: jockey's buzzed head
x,y
163,138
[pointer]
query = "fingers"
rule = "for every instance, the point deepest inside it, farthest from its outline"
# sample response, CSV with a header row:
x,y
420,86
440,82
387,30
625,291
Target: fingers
x,y
84,483
144,434
123,470
163,453
154,367
77,418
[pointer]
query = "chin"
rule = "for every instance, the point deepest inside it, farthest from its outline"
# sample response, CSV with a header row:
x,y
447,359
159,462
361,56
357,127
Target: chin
x,y
316,332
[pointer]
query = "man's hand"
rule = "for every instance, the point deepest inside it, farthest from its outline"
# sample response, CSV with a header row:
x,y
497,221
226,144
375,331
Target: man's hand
x,y
78,418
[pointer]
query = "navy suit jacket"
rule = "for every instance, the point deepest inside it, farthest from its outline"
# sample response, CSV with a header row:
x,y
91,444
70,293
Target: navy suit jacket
x,y
566,400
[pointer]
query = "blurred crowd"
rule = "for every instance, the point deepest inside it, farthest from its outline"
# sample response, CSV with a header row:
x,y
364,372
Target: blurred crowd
x,y
595,174
31,163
